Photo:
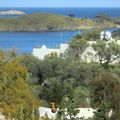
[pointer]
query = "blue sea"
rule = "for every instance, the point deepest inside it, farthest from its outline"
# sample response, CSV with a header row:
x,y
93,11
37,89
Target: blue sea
x,y
26,41
78,12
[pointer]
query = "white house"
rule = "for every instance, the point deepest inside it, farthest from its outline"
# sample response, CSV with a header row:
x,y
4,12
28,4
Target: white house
x,y
43,51
89,55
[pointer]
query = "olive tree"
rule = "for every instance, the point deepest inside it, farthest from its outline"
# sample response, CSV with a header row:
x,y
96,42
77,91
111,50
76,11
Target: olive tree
x,y
105,96
107,53
77,47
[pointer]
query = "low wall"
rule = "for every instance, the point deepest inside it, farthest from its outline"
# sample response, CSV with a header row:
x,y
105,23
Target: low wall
x,y
84,112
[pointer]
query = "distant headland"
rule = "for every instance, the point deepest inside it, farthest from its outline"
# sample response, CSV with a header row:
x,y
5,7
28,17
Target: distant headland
x,y
54,22
12,12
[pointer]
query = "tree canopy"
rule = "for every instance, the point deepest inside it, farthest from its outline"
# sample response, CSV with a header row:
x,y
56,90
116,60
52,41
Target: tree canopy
x,y
15,95
105,95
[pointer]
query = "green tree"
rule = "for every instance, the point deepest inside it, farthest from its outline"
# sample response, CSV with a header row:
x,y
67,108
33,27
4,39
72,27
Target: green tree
x,y
107,53
71,16
33,65
68,108
91,35
77,47
105,96
52,90
101,18
73,98
15,95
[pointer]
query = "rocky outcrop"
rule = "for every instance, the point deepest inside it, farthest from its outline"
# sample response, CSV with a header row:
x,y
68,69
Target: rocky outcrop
x,y
11,12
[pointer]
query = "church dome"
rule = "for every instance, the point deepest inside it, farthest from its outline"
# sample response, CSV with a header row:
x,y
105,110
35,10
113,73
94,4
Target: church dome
x,y
44,47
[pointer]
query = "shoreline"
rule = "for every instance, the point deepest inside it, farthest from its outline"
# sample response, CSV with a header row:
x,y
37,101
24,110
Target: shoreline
x,y
61,30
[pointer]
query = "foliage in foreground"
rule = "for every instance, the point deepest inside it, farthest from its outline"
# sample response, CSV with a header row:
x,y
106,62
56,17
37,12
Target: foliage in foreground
x,y
16,100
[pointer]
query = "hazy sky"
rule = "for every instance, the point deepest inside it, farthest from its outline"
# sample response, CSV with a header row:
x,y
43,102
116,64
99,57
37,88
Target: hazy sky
x,y
59,3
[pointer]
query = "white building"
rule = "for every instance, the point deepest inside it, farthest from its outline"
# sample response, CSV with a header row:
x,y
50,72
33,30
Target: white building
x,y
83,112
89,55
43,51
106,35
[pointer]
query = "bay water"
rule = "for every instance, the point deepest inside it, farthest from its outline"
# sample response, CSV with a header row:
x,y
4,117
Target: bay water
x,y
24,42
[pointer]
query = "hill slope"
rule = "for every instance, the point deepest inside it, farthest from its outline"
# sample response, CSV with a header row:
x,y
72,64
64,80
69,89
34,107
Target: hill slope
x,y
44,22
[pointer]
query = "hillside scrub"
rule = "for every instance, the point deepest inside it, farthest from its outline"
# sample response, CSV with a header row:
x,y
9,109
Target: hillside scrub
x,y
49,22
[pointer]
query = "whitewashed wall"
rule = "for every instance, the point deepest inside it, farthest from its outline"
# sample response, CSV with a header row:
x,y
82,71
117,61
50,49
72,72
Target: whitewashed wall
x,y
84,112
43,51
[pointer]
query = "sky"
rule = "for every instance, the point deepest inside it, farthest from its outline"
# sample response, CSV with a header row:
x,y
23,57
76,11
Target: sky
x,y
59,3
